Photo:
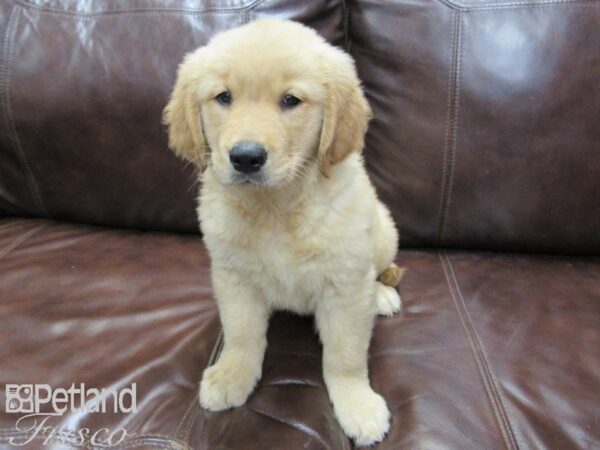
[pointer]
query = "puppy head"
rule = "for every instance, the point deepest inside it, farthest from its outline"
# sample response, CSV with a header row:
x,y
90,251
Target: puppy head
x,y
262,103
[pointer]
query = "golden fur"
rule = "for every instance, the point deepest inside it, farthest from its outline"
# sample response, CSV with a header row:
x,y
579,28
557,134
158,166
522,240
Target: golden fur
x,y
307,233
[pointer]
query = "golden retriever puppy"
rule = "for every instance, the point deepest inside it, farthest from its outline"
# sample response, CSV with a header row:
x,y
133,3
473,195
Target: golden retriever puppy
x,y
275,119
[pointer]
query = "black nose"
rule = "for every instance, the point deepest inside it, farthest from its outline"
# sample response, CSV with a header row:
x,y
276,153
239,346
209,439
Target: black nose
x,y
247,156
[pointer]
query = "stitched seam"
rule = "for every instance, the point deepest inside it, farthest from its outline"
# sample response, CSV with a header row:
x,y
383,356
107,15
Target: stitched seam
x,y
63,436
300,429
508,5
476,354
346,24
14,244
184,422
158,441
485,371
214,355
193,419
158,13
454,133
72,438
140,10
545,5
255,5
251,8
494,381
196,409
7,110
451,88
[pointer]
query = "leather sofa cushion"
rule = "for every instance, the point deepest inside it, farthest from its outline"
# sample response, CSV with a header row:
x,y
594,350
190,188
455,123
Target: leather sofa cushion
x,y
82,88
486,120
485,133
490,351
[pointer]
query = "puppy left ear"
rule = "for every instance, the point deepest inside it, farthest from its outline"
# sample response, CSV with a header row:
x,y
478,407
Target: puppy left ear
x,y
347,112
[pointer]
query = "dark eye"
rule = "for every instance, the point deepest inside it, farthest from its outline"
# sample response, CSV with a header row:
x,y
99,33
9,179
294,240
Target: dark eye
x,y
224,98
289,101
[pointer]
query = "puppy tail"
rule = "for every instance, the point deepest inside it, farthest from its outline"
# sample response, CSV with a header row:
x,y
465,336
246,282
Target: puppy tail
x,y
391,276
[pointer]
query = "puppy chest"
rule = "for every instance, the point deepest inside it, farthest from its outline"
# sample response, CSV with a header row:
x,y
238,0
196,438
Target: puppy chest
x,y
282,256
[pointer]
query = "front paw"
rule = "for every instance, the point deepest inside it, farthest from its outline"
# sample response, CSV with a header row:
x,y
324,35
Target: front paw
x,y
363,415
226,385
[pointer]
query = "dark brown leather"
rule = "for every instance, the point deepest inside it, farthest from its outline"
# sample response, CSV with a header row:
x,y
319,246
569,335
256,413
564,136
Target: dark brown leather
x,y
106,308
485,136
500,351
491,351
486,127
83,85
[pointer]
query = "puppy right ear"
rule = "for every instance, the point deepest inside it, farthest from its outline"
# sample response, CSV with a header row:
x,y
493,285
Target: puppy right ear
x,y
182,113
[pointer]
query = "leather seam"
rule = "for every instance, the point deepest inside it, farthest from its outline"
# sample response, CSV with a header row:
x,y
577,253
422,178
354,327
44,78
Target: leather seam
x,y
214,355
18,241
11,129
163,442
451,128
315,436
479,355
159,11
566,5
510,5
194,408
447,130
454,133
346,25
71,438
514,434
190,412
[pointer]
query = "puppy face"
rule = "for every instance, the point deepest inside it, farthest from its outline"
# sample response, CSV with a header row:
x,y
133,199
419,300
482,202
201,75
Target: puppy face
x,y
262,103
261,111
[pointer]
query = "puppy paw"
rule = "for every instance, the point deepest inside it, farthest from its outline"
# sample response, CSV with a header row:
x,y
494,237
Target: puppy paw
x,y
388,300
364,416
226,385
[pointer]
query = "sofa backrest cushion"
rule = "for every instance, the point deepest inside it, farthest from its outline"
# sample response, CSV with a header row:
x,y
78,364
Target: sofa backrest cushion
x,y
487,120
82,89
487,112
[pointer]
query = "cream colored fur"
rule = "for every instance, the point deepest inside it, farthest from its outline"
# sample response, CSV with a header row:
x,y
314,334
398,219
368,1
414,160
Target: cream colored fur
x,y
309,234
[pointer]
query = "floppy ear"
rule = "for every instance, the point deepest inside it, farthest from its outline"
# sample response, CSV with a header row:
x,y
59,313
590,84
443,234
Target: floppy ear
x,y
347,112
182,114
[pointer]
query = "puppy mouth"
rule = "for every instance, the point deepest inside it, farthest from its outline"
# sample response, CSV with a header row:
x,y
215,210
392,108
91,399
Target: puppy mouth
x,y
255,179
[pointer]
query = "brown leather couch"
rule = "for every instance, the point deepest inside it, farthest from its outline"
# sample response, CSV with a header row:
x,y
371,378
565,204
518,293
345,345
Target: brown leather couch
x,y
485,144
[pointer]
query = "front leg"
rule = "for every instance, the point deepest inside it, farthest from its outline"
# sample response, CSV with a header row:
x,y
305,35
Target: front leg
x,y
244,316
345,321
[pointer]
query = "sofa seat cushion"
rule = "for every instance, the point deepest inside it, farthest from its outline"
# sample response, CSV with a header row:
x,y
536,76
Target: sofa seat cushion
x,y
105,308
490,351
108,308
